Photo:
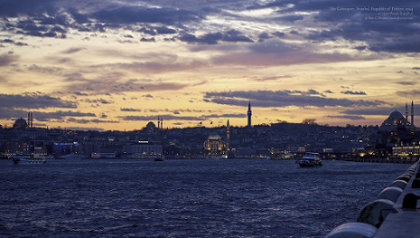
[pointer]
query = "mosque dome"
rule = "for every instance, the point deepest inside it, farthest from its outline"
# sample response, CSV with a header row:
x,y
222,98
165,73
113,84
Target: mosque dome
x,y
150,127
394,120
20,124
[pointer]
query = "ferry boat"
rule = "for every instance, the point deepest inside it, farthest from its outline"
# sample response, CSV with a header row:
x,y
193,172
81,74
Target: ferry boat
x,y
28,159
309,160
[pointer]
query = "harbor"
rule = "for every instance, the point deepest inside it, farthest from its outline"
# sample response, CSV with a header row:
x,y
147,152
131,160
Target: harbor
x,y
108,197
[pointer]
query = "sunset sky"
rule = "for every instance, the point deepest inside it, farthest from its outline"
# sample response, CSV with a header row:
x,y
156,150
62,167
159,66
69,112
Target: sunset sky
x,y
118,64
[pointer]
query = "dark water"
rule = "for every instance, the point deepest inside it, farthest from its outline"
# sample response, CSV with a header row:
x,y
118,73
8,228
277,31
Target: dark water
x,y
201,198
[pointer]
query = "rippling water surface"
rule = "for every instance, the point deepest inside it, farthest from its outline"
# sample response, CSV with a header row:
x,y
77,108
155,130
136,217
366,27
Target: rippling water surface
x,y
185,198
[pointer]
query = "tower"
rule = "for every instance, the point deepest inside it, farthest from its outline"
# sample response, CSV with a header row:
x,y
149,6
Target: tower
x,y
158,123
227,135
406,111
30,123
249,114
412,113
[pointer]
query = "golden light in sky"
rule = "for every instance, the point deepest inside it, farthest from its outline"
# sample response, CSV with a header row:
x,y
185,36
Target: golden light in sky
x,y
115,65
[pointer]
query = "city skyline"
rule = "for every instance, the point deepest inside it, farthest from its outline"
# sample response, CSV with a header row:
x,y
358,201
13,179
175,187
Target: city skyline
x,y
116,65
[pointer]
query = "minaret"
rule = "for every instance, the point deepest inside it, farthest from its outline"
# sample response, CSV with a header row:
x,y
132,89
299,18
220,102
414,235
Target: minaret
x,y
412,113
249,114
406,111
30,123
227,135
158,123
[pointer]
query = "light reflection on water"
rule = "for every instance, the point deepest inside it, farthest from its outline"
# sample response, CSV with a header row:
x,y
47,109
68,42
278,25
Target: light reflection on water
x,y
193,198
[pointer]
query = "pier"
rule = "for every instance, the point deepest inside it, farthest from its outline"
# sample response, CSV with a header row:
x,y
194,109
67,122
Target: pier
x,y
394,214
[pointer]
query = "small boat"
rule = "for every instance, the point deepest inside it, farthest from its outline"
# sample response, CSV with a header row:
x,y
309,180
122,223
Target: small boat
x,y
309,160
29,159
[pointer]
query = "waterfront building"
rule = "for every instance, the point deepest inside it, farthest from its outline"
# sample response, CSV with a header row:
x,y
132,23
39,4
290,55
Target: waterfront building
x,y
144,150
406,151
214,145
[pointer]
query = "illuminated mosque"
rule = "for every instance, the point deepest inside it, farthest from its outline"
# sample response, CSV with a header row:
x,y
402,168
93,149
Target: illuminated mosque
x,y
397,120
398,130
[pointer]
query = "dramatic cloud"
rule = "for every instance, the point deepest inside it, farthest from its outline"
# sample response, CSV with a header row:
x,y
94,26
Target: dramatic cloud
x,y
354,92
275,52
214,38
130,110
42,116
130,14
182,118
112,84
33,101
348,117
85,121
45,116
7,59
283,99
104,53
9,41
410,93
379,111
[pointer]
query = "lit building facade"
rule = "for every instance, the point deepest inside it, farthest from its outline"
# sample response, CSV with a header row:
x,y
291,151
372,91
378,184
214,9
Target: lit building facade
x,y
214,145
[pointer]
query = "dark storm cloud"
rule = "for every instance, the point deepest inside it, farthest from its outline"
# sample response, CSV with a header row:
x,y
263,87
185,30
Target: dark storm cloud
x,y
283,98
33,101
349,92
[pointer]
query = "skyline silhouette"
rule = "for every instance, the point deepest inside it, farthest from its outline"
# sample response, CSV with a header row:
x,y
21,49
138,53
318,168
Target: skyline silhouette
x,y
118,65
